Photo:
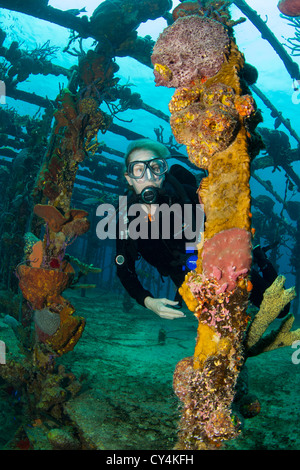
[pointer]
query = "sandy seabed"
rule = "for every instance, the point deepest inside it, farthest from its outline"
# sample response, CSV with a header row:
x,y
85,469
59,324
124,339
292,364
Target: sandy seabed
x,y
128,359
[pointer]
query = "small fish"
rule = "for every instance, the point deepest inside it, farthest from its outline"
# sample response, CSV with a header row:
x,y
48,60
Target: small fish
x,y
90,201
75,11
11,321
277,123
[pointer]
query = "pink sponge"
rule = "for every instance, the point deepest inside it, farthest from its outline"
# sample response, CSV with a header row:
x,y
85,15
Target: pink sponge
x,y
192,47
289,7
226,256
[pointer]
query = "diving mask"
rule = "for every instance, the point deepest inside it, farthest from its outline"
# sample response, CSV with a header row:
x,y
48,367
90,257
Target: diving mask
x,y
137,169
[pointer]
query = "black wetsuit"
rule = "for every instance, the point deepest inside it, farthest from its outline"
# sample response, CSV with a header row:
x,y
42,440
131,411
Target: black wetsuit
x,y
168,256
263,274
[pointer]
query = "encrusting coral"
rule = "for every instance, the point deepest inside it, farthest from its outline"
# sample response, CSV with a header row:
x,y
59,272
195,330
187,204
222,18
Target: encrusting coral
x,y
62,439
178,66
46,272
274,300
206,119
228,178
216,122
73,223
206,8
206,114
78,120
289,7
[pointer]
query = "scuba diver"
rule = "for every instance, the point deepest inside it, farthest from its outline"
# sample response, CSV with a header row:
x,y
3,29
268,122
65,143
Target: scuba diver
x,y
151,184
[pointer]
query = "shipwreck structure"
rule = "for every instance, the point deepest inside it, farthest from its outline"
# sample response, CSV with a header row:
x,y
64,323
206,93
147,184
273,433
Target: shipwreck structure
x,y
213,117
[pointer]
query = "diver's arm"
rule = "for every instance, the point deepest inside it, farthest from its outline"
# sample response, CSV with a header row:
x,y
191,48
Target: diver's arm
x,y
160,307
128,277
127,274
131,283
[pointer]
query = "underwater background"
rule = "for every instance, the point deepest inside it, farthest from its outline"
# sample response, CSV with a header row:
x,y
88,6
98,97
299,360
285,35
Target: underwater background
x,y
116,384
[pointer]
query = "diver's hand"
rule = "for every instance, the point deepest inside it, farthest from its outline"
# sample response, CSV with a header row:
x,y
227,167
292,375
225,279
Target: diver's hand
x,y
159,306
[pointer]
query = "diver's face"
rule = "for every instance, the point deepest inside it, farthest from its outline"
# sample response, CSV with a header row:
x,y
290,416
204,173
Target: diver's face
x,y
149,178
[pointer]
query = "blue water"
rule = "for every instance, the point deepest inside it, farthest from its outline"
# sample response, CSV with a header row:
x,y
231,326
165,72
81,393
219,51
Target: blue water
x,y
118,344
274,81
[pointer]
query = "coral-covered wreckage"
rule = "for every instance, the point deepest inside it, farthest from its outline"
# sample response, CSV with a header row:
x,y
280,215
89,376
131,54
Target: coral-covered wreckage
x,y
46,271
214,115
